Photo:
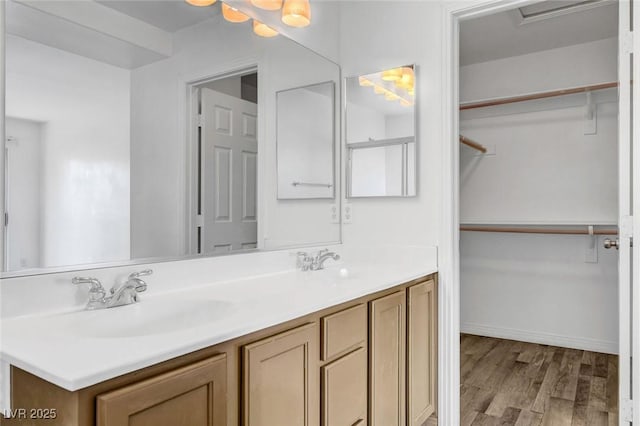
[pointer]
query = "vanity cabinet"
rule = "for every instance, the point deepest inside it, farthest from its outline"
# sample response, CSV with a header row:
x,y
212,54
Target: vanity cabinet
x,y
194,395
280,379
387,360
369,361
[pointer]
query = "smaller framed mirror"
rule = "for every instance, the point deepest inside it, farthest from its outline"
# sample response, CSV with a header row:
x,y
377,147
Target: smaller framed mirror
x,y
381,133
305,142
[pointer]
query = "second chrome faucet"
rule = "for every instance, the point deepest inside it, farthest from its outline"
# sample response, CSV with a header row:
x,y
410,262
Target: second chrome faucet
x,y
307,262
125,294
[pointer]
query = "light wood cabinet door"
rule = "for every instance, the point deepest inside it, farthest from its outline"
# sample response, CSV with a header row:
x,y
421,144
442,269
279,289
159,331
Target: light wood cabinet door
x,y
421,351
344,390
194,395
281,379
387,360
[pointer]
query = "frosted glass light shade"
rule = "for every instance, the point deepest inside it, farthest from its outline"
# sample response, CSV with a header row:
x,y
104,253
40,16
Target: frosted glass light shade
x,y
267,4
263,30
296,13
378,90
393,74
201,3
232,14
407,79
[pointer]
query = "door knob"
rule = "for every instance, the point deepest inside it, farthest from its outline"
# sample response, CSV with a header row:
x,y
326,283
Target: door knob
x,y
609,243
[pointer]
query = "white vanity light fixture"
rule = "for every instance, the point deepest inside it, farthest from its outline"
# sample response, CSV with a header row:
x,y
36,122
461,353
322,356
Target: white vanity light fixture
x,y
263,30
296,13
395,84
201,3
232,14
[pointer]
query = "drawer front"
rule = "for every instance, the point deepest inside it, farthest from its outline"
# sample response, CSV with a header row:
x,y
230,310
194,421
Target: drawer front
x,y
343,330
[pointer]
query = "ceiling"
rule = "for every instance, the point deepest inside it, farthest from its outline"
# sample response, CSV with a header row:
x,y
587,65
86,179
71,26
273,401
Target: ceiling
x,y
503,35
169,15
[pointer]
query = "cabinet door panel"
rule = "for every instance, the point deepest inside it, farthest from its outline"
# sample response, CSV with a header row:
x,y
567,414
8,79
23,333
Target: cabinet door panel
x,y
421,369
281,379
344,390
194,395
387,366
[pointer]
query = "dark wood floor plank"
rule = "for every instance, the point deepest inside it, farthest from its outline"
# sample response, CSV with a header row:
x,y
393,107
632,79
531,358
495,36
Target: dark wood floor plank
x,y
529,418
559,412
485,420
598,394
597,418
549,382
510,416
567,382
601,365
582,401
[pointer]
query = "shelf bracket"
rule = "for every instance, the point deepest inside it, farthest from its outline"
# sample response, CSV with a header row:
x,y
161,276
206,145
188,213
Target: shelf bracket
x,y
590,116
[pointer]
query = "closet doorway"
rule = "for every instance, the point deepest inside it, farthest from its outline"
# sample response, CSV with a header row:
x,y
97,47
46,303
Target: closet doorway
x,y
544,306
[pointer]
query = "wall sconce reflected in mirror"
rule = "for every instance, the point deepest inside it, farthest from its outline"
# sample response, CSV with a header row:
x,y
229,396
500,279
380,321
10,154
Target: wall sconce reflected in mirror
x,y
395,84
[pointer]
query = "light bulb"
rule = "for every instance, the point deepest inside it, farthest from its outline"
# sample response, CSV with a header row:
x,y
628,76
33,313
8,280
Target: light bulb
x,y
407,79
232,14
393,74
201,3
364,82
296,13
263,30
267,4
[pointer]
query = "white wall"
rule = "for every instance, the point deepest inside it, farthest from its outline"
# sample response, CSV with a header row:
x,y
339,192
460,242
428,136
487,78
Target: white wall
x,y
84,107
541,168
158,154
381,35
305,139
23,199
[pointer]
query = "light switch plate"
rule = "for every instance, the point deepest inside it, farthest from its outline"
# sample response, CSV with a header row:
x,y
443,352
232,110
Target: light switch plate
x,y
347,213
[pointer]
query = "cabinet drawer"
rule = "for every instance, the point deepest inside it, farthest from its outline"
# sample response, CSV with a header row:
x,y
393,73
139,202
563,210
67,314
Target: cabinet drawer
x,y
343,330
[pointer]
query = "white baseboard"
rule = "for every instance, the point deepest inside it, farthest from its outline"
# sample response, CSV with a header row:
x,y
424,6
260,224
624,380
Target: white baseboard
x,y
602,346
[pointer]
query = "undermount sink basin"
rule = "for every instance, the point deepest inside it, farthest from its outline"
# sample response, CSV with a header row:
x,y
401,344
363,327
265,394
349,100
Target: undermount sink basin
x,y
147,317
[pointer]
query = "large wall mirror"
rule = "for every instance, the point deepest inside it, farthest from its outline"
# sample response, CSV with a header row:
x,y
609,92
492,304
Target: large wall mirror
x,y
381,133
146,130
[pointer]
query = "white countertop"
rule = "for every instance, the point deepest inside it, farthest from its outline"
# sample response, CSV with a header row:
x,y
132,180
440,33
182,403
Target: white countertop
x,y
63,349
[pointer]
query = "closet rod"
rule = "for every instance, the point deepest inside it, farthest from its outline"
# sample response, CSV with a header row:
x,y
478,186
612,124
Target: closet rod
x,y
539,230
539,95
472,144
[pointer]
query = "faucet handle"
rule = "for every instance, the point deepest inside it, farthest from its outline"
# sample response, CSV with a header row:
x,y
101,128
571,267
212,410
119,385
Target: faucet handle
x,y
142,273
96,291
303,261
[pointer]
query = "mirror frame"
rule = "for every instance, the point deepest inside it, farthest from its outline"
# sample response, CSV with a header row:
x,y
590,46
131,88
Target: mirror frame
x,y
334,119
349,147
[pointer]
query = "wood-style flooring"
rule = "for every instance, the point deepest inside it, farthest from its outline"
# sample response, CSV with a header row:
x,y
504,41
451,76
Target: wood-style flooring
x,y
504,382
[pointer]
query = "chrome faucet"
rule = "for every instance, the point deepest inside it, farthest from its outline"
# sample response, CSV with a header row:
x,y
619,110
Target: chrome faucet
x,y
306,262
321,257
126,294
